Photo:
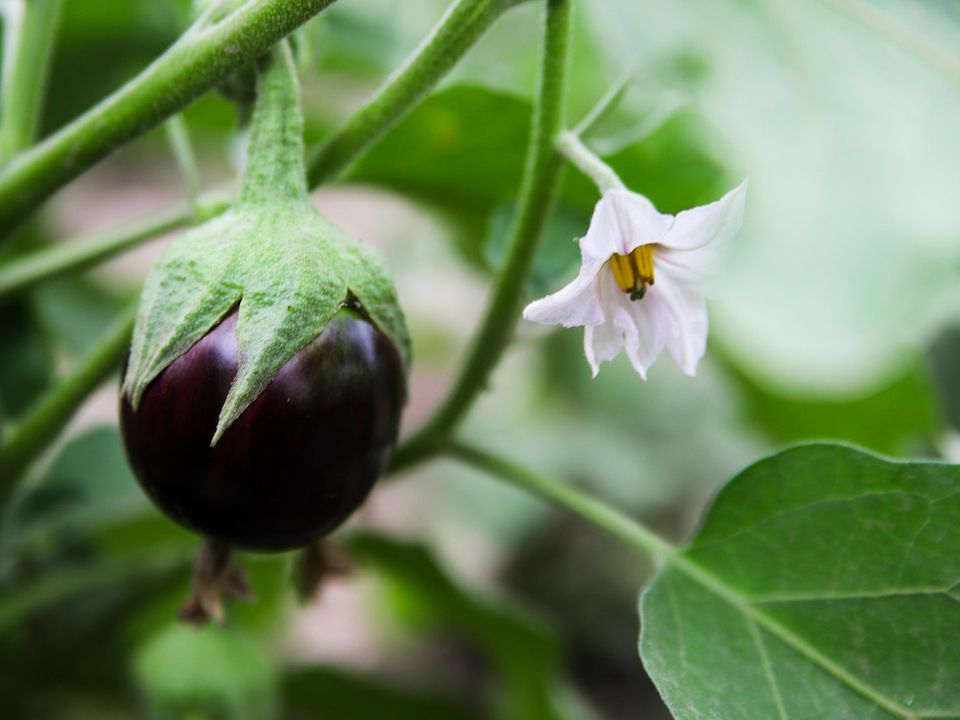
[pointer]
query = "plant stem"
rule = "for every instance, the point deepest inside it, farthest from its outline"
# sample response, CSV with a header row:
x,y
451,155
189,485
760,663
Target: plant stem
x,y
275,170
596,512
537,195
459,28
195,63
605,104
30,29
24,440
73,255
587,162
178,137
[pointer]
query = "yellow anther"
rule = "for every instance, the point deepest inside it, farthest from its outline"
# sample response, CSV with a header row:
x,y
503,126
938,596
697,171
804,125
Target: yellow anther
x,y
634,272
623,272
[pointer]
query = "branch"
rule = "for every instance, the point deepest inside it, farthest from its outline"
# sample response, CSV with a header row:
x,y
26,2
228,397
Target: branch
x,y
199,60
30,28
537,195
73,255
607,518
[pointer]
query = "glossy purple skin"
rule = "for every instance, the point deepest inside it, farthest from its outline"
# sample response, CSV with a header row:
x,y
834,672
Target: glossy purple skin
x,y
296,463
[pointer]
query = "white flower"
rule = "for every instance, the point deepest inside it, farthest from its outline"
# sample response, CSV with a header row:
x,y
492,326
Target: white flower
x,y
642,280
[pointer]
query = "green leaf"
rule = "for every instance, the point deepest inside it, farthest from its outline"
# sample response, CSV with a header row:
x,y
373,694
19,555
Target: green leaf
x,y
900,418
525,653
214,673
824,583
88,486
328,692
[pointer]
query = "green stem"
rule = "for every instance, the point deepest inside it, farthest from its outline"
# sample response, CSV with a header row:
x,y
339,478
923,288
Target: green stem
x,y
460,27
30,29
25,439
596,512
587,162
537,195
610,99
195,63
275,170
75,254
178,137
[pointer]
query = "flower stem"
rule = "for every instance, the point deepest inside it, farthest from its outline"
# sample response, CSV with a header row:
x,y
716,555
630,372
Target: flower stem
x,y
30,29
537,195
564,495
610,99
459,28
24,440
588,162
75,254
195,63
275,170
178,138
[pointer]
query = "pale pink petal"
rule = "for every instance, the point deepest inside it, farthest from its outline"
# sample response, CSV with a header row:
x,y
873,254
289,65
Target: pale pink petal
x,y
601,343
691,268
713,223
685,313
651,325
631,325
573,305
622,221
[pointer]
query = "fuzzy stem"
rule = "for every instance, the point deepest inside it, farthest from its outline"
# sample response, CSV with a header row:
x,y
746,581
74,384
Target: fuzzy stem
x,y
195,63
30,29
588,162
75,254
564,495
537,195
610,99
275,170
178,138
25,440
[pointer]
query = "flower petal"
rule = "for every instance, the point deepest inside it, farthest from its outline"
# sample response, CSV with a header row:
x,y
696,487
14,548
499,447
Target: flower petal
x,y
622,220
575,304
601,343
632,325
712,223
686,311
651,325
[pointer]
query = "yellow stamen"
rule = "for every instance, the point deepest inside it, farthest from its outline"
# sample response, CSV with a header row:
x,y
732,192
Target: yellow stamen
x,y
634,272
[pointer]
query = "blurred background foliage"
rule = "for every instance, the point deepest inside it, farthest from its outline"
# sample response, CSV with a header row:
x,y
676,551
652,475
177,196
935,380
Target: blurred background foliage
x,y
467,600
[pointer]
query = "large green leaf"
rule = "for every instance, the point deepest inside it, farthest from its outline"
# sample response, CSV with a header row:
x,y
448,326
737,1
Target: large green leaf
x,y
524,652
824,583
901,418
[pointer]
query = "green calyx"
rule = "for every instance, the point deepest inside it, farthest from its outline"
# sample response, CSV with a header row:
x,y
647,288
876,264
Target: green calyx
x,y
272,255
